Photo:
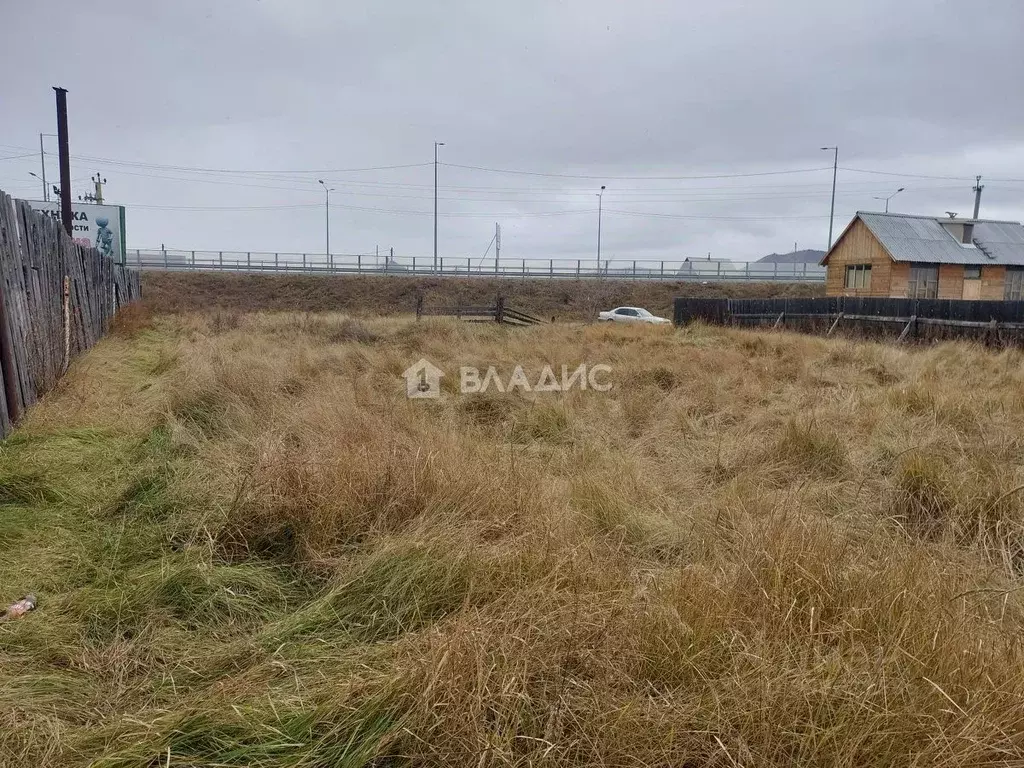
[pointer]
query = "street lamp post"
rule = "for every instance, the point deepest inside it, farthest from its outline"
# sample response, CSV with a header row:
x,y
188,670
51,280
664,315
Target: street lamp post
x,y
46,190
832,210
436,145
42,166
327,218
600,199
890,197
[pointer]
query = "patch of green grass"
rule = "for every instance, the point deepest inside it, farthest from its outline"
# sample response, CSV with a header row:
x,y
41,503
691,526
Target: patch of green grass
x,y
25,488
15,523
205,412
248,734
183,588
148,497
393,592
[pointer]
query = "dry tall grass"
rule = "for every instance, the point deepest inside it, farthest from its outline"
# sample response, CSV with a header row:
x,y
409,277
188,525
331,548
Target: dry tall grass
x,y
758,549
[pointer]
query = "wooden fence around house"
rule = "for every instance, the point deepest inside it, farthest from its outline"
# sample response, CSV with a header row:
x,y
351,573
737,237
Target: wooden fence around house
x,y
989,322
56,300
500,312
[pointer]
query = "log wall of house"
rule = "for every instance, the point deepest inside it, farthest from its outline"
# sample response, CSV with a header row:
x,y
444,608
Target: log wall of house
x,y
951,281
858,246
993,281
900,279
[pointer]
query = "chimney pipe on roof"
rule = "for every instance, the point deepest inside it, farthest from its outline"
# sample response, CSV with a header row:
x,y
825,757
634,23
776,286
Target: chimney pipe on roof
x,y
968,237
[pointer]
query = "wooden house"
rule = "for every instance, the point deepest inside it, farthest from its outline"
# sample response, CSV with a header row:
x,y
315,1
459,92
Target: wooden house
x,y
927,257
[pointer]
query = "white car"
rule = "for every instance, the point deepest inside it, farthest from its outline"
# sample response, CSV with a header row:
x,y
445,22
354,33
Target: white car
x,y
631,315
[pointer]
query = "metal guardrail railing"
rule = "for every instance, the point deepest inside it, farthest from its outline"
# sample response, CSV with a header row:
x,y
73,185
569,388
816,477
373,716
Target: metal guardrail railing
x,y
363,264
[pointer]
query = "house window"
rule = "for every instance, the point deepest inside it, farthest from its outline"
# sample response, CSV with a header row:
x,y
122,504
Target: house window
x,y
858,276
924,281
972,272
1014,290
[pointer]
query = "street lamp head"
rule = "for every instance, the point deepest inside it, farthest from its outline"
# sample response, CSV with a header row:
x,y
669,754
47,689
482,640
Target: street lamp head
x,y
321,181
901,189
602,187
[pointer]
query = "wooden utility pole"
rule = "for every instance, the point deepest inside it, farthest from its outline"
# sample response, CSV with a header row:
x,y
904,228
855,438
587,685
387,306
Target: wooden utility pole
x,y
65,160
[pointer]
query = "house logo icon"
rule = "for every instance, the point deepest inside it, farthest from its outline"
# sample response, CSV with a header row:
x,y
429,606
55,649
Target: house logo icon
x,y
422,379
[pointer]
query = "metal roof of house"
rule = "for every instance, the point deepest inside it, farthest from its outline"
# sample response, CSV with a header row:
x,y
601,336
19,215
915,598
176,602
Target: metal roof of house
x,y
925,239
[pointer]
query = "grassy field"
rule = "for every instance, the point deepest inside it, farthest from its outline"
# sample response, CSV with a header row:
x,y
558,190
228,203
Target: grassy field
x,y
183,292
251,549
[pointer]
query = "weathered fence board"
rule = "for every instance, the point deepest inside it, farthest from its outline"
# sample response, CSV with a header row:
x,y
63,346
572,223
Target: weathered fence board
x,y
500,312
36,259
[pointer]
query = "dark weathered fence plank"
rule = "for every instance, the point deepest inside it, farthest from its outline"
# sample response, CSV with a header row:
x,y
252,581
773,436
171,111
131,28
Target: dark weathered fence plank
x,y
1000,322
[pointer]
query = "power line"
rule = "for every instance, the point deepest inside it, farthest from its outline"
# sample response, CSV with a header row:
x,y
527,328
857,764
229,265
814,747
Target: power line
x,y
904,175
220,207
194,169
29,152
225,182
755,192
924,176
628,178
709,218
451,214
198,169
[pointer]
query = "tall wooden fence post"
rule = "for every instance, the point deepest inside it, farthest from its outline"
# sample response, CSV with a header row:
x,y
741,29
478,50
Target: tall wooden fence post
x,y
10,374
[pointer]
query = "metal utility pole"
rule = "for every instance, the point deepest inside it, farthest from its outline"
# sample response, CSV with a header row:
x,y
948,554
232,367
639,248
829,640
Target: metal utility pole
x,y
327,217
65,160
600,198
436,145
497,246
978,186
832,210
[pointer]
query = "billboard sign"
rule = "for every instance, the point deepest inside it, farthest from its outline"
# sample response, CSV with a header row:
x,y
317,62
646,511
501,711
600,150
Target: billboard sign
x,y
97,226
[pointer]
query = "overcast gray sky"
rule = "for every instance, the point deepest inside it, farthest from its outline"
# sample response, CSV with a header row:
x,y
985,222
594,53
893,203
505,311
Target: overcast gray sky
x,y
578,94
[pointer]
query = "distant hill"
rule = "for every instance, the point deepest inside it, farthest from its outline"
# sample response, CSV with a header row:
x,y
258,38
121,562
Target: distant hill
x,y
808,256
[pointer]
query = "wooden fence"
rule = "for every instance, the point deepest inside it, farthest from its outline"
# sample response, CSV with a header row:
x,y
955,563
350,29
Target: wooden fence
x,y
500,312
56,300
990,322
